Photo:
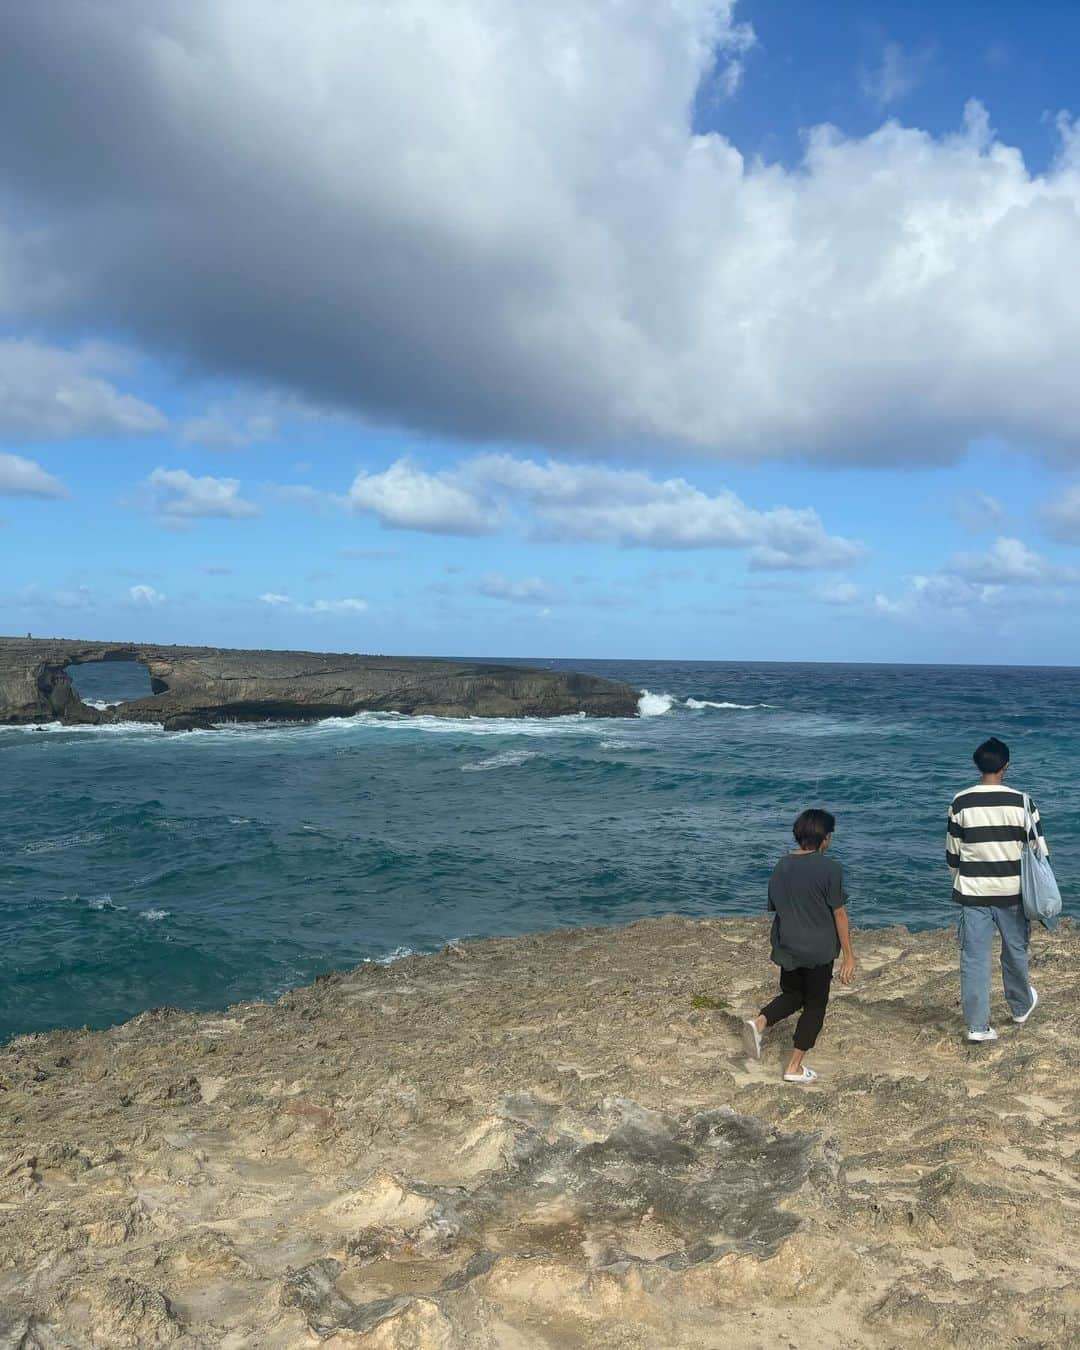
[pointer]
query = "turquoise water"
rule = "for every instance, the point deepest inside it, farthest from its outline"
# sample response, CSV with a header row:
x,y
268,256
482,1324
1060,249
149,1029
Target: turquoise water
x,y
139,869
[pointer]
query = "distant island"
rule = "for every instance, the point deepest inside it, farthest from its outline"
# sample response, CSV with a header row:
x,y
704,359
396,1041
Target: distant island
x,y
196,687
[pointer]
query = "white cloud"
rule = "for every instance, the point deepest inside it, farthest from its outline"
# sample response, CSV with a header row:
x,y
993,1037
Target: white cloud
x,y
223,428
348,605
839,593
936,596
247,419
24,478
898,73
1062,515
146,597
70,597
405,497
633,508
527,590
557,501
978,511
974,583
1009,562
178,497
944,597
50,393
538,248
314,499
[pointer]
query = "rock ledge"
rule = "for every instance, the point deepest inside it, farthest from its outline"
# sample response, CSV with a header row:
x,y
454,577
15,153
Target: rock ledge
x,y
194,687
552,1142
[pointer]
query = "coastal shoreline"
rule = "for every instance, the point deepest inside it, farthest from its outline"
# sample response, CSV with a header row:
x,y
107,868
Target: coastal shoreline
x,y
551,1140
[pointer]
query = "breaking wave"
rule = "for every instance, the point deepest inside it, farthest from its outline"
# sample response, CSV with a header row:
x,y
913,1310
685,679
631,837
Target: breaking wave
x,y
508,759
697,703
656,705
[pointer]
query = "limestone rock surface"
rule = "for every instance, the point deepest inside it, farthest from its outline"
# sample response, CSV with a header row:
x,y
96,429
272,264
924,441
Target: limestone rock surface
x,y
551,1143
195,687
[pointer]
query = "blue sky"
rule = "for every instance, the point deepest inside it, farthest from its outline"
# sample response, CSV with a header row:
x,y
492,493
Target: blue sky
x,y
675,331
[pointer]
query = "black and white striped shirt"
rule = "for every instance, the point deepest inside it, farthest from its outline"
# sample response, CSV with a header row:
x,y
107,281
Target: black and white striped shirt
x,y
985,843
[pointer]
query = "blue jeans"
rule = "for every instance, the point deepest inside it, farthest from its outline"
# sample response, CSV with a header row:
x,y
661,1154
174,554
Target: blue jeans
x,y
977,924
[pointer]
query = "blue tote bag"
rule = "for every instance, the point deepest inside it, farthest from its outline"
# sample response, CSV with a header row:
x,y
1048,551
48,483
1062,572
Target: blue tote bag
x,y
1038,885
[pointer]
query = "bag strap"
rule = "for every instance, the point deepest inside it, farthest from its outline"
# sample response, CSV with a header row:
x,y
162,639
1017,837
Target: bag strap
x,y
1029,826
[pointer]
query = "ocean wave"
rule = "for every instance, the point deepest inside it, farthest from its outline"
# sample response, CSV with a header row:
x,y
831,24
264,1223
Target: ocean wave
x,y
698,703
506,759
63,841
153,915
573,724
398,954
88,728
96,902
569,724
655,705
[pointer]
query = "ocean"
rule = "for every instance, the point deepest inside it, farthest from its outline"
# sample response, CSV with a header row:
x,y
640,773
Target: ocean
x,y
139,869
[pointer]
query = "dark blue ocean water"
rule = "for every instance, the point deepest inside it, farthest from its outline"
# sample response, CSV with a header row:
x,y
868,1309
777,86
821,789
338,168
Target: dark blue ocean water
x,y
139,869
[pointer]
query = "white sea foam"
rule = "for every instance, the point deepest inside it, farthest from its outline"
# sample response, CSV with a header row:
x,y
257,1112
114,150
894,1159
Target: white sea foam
x,y
507,759
398,954
63,841
656,705
575,724
86,729
102,902
697,703
572,724
620,745
153,915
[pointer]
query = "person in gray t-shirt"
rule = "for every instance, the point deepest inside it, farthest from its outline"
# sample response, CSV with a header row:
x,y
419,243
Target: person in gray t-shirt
x,y
809,931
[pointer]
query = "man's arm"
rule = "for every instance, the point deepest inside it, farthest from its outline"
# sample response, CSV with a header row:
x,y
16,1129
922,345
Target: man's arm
x,y
847,956
953,839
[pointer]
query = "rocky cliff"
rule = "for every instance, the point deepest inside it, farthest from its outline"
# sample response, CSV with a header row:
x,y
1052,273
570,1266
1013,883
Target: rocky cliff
x,y
550,1143
196,686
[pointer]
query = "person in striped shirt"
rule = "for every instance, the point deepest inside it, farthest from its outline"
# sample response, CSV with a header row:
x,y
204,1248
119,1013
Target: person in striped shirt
x,y
983,847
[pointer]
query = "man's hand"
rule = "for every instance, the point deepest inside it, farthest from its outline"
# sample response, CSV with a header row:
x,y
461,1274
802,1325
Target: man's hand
x,y
847,970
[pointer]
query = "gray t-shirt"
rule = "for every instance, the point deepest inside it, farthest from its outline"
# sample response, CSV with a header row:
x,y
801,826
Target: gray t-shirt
x,y
804,889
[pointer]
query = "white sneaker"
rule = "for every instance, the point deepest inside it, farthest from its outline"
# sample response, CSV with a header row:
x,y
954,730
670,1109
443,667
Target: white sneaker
x,y
751,1039
1034,1004
988,1035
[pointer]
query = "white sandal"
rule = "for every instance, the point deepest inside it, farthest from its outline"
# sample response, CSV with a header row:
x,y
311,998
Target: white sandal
x,y
805,1076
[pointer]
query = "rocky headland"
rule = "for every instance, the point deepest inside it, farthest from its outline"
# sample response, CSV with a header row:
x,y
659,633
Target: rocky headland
x,y
552,1141
196,687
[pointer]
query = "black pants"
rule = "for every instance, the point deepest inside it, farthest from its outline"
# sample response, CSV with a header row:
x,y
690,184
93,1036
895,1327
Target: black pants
x,y
806,988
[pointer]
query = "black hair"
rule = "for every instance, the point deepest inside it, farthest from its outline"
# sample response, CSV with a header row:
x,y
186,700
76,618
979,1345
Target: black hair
x,y
991,756
812,828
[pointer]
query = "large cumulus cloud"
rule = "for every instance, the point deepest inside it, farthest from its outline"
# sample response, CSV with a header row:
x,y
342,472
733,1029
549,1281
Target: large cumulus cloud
x,y
490,218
